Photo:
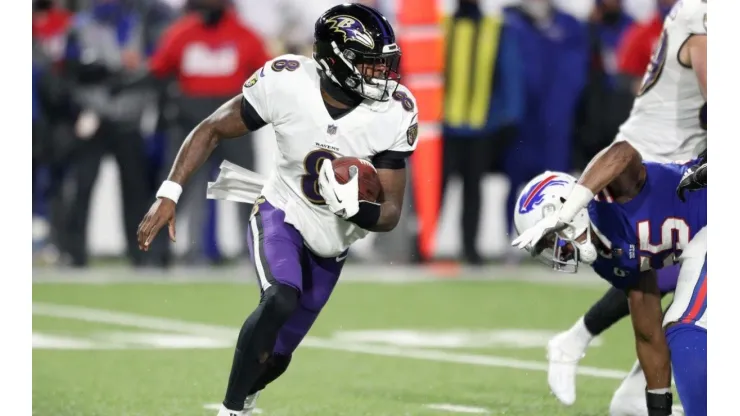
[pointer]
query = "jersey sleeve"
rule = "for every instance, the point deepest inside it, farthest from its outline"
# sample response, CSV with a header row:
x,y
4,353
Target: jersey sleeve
x,y
269,92
694,16
256,109
403,146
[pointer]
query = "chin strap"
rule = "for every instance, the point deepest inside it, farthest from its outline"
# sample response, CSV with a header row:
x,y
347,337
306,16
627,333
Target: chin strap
x,y
587,250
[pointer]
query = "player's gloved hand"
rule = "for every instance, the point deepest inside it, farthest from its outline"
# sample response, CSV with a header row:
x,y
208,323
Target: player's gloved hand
x,y
694,179
659,404
342,199
531,236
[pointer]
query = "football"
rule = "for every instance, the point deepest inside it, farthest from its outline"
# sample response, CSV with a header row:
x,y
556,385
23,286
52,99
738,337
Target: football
x,y
368,181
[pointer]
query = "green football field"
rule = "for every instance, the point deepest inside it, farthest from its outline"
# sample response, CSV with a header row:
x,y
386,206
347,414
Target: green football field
x,y
431,346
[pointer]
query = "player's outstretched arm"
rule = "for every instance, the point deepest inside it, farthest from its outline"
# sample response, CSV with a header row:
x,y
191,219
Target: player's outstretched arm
x,y
394,187
604,168
651,345
224,123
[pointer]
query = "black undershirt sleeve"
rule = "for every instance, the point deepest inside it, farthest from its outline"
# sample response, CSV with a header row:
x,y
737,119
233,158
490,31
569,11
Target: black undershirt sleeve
x,y
251,119
391,159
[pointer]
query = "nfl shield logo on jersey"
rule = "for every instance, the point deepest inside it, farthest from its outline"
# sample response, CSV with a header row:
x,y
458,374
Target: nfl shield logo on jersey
x,y
332,129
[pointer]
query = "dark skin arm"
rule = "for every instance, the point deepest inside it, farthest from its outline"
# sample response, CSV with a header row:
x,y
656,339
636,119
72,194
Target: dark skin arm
x,y
614,165
647,318
393,183
225,123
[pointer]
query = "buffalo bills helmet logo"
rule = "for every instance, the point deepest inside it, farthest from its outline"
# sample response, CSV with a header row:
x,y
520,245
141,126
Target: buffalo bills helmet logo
x,y
352,29
536,194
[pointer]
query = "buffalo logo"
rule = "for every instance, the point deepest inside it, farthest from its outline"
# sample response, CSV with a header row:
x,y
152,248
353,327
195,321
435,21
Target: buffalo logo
x,y
536,194
352,29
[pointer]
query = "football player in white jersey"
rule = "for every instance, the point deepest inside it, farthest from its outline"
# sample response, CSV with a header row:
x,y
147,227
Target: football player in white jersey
x,y
346,101
664,125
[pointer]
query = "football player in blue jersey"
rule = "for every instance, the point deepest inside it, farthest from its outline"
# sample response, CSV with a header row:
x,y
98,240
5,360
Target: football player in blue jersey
x,y
636,227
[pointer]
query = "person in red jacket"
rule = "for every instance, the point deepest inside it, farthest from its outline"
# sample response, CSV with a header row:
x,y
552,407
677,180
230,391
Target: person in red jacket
x,y
50,25
210,53
636,48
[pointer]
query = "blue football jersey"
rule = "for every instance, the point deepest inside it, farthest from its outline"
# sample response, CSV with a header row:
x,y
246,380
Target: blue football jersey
x,y
651,230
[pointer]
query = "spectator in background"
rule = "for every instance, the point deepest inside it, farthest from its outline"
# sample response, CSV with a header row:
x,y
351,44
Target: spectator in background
x,y
105,45
606,101
285,25
608,25
483,107
211,54
555,50
54,113
50,26
638,44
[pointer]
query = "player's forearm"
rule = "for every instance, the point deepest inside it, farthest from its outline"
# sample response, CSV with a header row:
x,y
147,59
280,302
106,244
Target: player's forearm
x,y
607,166
225,123
196,149
390,214
601,171
655,360
647,317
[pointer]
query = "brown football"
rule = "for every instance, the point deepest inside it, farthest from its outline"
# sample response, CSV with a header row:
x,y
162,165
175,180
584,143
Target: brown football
x,y
368,181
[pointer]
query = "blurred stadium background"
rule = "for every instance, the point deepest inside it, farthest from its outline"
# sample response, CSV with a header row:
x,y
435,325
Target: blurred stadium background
x,y
442,298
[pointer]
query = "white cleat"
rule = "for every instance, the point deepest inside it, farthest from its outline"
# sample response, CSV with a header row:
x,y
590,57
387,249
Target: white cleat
x,y
564,352
250,407
223,411
250,404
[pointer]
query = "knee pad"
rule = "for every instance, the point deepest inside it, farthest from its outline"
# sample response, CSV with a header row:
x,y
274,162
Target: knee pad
x,y
274,368
279,301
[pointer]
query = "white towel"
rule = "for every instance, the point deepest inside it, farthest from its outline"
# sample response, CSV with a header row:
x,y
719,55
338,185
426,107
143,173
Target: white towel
x,y
234,183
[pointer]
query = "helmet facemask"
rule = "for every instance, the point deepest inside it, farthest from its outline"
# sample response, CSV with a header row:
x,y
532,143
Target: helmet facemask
x,y
371,76
561,250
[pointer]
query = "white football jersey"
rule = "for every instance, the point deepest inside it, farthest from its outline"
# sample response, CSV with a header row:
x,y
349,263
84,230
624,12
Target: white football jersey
x,y
664,123
286,94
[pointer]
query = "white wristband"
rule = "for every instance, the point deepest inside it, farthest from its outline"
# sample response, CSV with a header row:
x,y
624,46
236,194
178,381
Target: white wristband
x,y
578,199
170,190
660,391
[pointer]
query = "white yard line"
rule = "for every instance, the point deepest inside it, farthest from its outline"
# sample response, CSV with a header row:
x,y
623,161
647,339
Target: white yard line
x,y
457,408
166,324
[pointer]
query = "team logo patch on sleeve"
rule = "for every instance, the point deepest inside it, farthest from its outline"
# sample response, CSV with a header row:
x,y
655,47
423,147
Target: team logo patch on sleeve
x,y
412,133
251,81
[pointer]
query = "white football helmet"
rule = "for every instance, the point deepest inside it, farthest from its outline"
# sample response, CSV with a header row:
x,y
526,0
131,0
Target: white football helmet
x,y
543,196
